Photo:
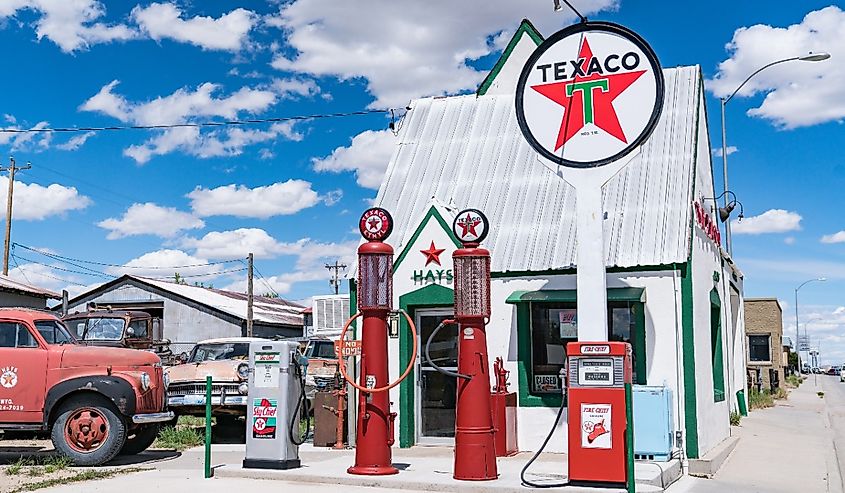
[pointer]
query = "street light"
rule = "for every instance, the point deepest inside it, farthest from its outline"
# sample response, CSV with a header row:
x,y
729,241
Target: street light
x,y
812,57
820,279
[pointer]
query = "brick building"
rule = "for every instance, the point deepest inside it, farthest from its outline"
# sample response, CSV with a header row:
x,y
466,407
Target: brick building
x,y
764,333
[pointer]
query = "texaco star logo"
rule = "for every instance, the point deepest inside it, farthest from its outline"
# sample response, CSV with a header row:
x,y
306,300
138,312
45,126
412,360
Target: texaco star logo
x,y
589,94
470,226
376,224
9,377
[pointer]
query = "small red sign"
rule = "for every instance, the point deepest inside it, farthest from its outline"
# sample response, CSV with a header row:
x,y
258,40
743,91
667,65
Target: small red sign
x,y
350,348
707,223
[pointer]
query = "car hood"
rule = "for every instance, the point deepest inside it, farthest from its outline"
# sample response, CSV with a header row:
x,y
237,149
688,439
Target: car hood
x,y
75,356
224,370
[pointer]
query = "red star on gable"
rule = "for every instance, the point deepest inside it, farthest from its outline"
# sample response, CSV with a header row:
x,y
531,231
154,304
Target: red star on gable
x,y
432,254
602,93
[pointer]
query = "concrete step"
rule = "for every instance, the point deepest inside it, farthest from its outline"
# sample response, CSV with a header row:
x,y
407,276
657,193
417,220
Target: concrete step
x,y
707,466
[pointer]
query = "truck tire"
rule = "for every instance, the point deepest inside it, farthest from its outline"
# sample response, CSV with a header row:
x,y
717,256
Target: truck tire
x,y
140,439
88,430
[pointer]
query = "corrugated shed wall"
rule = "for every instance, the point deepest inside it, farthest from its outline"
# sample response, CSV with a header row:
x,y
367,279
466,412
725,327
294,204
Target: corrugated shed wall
x,y
468,151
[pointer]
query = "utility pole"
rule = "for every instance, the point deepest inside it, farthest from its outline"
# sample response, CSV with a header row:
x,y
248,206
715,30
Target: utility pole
x,y
11,169
249,296
335,280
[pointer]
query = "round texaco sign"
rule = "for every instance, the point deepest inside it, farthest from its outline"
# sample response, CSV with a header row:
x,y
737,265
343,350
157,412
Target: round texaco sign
x,y
470,226
376,224
589,95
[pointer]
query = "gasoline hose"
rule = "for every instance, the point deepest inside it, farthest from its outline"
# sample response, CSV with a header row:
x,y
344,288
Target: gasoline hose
x,y
302,405
428,356
537,454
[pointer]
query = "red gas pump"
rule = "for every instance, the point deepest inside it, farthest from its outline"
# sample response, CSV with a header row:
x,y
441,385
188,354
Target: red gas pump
x,y
475,452
375,299
597,375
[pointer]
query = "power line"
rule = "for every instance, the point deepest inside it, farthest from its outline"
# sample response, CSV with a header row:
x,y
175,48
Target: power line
x,y
69,260
102,275
226,123
21,269
265,281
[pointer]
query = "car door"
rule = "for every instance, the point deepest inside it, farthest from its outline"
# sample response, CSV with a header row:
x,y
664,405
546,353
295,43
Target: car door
x,y
23,373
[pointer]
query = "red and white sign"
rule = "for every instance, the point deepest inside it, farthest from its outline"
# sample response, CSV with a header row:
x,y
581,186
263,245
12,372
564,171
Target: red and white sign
x,y
589,94
470,226
376,224
595,349
350,348
706,222
596,426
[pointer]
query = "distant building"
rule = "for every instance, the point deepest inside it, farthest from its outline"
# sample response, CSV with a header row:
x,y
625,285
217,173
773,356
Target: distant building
x,y
330,312
764,330
17,294
191,313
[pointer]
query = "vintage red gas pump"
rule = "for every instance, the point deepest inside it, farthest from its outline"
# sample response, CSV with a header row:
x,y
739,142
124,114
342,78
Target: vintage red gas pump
x,y
597,376
375,300
475,452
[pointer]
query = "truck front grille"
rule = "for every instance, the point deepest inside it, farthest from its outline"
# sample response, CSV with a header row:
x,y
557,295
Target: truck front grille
x,y
199,388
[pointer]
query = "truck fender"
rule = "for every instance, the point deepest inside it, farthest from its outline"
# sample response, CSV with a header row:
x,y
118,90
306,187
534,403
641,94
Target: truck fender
x,y
115,389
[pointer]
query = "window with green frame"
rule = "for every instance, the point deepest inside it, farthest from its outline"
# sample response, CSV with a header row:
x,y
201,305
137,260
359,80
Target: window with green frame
x,y
717,357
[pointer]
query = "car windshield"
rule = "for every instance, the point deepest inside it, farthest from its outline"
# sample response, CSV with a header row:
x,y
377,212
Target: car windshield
x,y
54,332
214,352
320,349
98,329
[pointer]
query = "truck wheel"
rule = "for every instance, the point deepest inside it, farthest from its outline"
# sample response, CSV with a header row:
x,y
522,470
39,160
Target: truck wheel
x,y
88,431
140,440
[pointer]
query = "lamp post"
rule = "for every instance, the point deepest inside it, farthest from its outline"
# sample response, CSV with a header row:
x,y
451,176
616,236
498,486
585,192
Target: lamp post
x,y
820,279
812,57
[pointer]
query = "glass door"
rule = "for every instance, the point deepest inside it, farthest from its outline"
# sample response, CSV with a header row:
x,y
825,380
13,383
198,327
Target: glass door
x,y
435,407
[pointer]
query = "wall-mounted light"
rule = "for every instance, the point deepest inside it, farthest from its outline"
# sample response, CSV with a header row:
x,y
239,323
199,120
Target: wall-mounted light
x,y
725,212
393,325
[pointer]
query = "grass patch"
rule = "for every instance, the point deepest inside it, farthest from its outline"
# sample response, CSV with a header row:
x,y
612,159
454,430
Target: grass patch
x,y
191,421
760,400
17,467
87,475
794,381
39,466
735,418
780,393
179,438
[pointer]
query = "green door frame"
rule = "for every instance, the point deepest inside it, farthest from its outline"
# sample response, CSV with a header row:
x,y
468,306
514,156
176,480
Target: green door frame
x,y
431,296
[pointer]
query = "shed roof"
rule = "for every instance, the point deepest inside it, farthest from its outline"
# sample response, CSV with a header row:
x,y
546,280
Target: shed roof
x,y
266,310
9,284
468,151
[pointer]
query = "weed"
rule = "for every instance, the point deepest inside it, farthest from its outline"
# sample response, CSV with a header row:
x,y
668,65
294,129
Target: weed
x,y
794,381
780,393
17,466
735,418
178,438
760,400
191,421
87,475
56,463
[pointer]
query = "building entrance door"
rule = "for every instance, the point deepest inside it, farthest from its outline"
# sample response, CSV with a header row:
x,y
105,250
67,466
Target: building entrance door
x,y
435,408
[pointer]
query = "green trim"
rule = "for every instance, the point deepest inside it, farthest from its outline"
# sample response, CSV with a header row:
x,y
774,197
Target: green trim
x,y
432,212
570,295
353,306
573,271
639,343
688,350
431,296
718,359
740,398
525,27
630,447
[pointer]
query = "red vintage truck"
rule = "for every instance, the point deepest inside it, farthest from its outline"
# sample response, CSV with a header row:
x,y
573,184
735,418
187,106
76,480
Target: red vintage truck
x,y
96,402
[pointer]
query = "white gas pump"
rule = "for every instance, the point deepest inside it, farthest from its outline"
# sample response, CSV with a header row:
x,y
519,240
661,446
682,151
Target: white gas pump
x,y
276,398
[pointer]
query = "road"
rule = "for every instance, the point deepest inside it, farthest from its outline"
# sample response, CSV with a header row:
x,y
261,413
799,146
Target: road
x,y
834,395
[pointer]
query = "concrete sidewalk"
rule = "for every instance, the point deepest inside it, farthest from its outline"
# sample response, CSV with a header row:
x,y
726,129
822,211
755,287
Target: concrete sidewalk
x,y
430,469
788,448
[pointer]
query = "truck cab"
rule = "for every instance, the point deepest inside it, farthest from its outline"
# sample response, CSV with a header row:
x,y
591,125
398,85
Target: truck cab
x,y
120,328
95,402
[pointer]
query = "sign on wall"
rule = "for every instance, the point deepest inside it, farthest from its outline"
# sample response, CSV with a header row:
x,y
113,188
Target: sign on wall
x,y
589,95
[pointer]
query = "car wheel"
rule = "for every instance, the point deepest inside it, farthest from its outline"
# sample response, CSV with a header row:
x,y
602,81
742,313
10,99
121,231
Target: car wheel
x,y
88,430
140,439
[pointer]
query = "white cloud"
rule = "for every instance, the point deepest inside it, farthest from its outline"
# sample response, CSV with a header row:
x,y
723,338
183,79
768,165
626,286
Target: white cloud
x,y
34,202
717,151
834,238
150,219
771,221
290,87
367,155
75,142
789,240
186,105
70,24
25,141
164,264
278,199
235,244
407,49
311,257
798,93
165,21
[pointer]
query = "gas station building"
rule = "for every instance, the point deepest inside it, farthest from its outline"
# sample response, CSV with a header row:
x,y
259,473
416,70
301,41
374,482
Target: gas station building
x,y
673,293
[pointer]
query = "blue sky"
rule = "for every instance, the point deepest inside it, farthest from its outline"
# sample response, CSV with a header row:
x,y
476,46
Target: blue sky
x,y
292,192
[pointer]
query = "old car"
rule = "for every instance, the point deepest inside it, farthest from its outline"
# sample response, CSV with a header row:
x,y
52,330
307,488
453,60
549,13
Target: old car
x,y
226,360
95,402
120,328
321,373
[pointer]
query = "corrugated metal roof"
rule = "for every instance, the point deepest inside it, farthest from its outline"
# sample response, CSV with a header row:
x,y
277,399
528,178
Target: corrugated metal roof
x,y
9,284
270,310
468,151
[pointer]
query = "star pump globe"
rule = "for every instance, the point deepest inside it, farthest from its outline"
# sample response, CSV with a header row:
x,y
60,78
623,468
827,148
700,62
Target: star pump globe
x,y
589,95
